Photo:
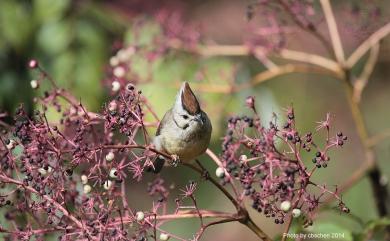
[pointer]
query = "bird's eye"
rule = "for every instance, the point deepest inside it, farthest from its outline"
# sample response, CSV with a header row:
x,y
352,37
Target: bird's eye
x,y
185,117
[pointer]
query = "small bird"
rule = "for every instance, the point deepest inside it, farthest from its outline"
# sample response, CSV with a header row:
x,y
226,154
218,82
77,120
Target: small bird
x,y
184,131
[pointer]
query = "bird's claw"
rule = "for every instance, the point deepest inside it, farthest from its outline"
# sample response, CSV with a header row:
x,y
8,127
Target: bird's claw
x,y
174,161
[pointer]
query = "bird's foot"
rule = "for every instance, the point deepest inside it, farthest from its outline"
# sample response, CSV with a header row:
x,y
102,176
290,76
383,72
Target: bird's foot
x,y
174,161
205,174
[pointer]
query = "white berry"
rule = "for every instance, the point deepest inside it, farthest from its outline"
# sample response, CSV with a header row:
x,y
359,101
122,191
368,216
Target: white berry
x,y
110,156
113,173
285,206
164,236
42,171
34,84
125,54
84,179
114,61
112,106
243,158
140,216
87,189
296,212
220,172
11,144
119,72
115,86
107,184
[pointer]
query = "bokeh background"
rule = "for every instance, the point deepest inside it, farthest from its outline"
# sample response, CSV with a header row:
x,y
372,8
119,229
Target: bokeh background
x,y
74,40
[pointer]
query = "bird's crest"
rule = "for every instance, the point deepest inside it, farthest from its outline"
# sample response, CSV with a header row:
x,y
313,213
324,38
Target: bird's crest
x,y
188,100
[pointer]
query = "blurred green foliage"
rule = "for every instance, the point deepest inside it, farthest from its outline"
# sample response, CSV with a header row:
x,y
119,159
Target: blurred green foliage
x,y
71,39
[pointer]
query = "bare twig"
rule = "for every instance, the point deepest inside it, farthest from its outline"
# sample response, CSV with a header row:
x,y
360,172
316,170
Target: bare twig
x,y
374,140
333,32
214,157
373,171
243,50
368,44
351,181
288,225
282,70
241,211
46,197
262,77
362,81
305,27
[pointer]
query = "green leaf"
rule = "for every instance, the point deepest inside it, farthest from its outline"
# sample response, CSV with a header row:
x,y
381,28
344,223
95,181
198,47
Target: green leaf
x,y
142,35
55,37
15,23
90,36
49,10
88,74
63,68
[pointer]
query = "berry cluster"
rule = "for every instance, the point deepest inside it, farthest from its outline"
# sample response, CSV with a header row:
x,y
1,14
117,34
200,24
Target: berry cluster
x,y
275,174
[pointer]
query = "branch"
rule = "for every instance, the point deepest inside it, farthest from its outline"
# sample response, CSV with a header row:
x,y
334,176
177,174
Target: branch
x,y
352,180
242,212
373,171
216,183
310,59
243,50
368,44
289,222
362,81
214,157
263,77
282,70
46,197
374,140
227,220
305,27
193,214
136,147
333,32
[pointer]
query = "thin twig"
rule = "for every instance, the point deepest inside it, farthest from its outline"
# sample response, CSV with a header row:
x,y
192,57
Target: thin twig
x,y
289,222
356,177
263,77
246,220
311,30
135,147
333,32
46,197
214,157
373,171
216,183
374,140
362,81
282,70
227,220
243,50
367,45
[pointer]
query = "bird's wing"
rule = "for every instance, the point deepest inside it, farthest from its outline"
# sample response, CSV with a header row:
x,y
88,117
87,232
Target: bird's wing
x,y
159,162
164,122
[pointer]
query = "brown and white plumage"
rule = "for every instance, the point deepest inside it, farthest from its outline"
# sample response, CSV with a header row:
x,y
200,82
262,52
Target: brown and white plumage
x,y
185,130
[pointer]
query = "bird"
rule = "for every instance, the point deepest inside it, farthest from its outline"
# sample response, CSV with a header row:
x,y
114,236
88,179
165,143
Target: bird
x,y
184,131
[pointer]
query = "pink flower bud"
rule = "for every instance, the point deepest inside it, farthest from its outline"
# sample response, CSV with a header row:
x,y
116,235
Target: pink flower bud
x,y
33,64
